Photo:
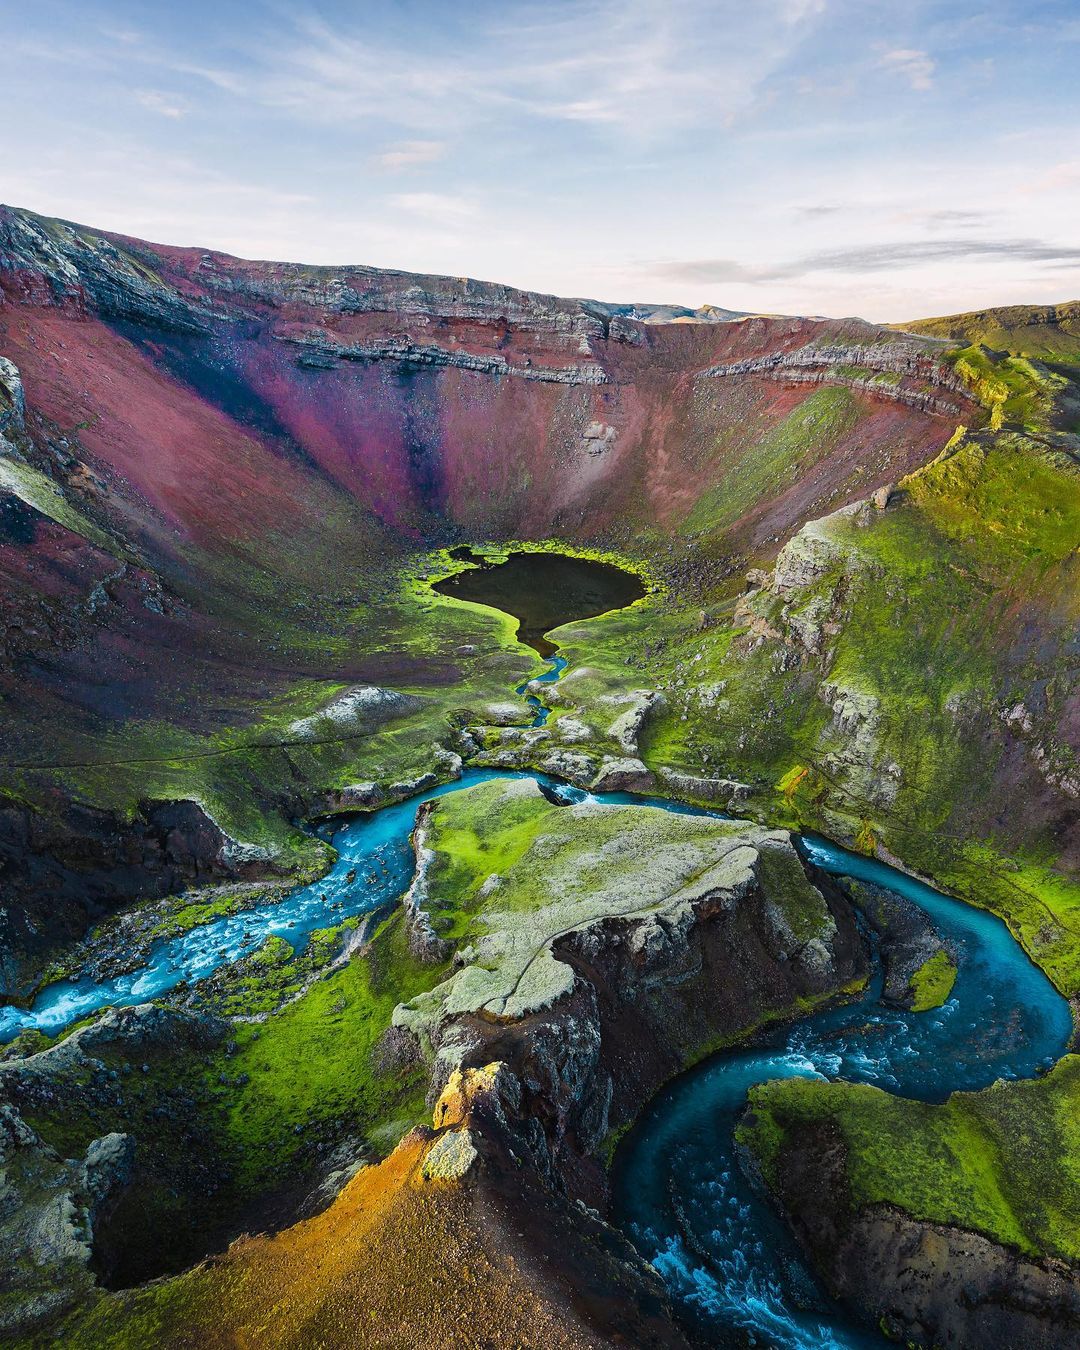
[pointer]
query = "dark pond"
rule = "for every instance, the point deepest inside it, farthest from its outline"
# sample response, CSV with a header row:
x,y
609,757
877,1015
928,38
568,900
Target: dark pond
x,y
543,590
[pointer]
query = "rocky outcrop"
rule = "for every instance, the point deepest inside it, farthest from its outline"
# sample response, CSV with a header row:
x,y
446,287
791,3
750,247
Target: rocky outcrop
x,y
932,386
908,937
423,942
627,774
56,1211
12,398
74,871
626,728
362,706
634,950
48,1209
926,1284
370,796
728,792
321,354
55,263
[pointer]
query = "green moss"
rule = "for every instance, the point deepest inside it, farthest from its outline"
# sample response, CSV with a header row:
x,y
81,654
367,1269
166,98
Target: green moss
x,y
932,983
307,1071
40,492
763,464
511,873
611,1141
1009,387
314,1064
1045,332
1004,1162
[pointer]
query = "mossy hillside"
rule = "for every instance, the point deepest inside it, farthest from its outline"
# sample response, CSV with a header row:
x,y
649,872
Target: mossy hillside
x,y
1011,388
1010,506
314,1065
301,1067
931,640
658,645
1004,1162
764,465
911,614
256,773
1044,332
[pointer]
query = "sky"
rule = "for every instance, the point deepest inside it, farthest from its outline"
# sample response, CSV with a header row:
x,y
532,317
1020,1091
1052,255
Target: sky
x,y
799,156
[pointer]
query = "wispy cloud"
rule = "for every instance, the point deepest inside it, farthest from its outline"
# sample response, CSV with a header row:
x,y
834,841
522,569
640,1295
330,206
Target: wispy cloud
x,y
1057,178
410,154
441,207
641,66
166,105
819,210
916,66
871,258
952,218
789,154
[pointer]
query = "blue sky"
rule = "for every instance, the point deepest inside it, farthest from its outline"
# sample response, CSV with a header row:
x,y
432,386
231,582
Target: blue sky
x,y
806,156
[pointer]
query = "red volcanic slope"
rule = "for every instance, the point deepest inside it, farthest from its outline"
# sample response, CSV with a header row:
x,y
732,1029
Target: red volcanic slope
x,y
286,382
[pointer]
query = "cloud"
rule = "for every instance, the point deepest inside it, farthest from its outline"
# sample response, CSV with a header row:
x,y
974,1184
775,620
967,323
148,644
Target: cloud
x,y
441,207
916,66
164,104
228,81
818,210
798,11
641,67
410,154
872,258
953,219
1057,178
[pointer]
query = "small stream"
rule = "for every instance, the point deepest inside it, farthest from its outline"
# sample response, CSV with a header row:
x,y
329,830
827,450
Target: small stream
x,y
679,1192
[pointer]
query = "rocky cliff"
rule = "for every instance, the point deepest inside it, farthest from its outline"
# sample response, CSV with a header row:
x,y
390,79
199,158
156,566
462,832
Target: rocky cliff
x,y
613,947
225,487
926,1283
566,995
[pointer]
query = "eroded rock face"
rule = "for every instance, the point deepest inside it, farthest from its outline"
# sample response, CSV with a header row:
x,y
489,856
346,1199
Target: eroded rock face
x,y
12,398
53,1208
930,1285
72,872
918,379
48,1208
618,948
908,937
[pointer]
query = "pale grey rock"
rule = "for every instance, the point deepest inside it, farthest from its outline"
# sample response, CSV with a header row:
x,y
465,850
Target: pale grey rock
x,y
360,704
623,775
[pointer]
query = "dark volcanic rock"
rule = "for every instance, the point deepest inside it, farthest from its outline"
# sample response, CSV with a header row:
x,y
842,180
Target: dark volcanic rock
x,y
908,938
930,1285
72,871
66,1222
